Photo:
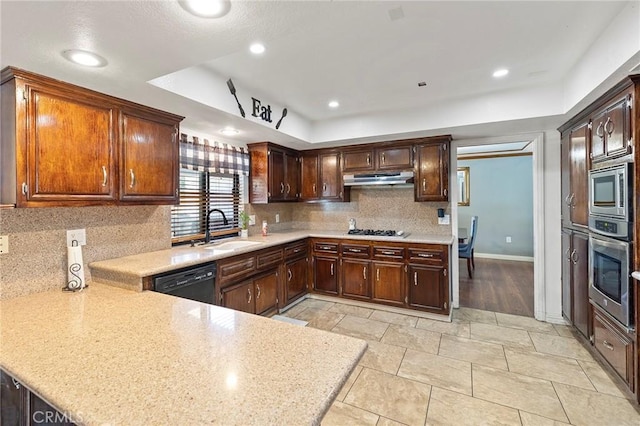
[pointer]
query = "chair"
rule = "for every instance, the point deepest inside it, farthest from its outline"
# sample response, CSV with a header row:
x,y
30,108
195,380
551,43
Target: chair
x,y
465,251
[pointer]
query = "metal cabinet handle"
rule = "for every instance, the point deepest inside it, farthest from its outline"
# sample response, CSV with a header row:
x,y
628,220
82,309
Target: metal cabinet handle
x,y
281,188
388,252
364,272
290,275
368,159
15,383
332,269
382,158
607,345
574,257
313,188
378,274
566,200
415,278
568,255
425,255
324,187
609,126
297,250
249,294
424,185
352,250
572,200
600,130
104,176
257,291
288,189
133,178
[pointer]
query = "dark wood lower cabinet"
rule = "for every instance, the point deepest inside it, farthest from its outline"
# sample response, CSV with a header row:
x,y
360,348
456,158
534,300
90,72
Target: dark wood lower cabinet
x,y
615,345
355,278
295,279
325,275
266,292
388,283
239,297
428,288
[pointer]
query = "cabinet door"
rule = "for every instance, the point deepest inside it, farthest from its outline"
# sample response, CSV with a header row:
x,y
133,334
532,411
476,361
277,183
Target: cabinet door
x,y
71,148
395,158
149,166
13,408
567,296
617,349
388,283
239,297
292,172
579,179
565,178
355,278
598,150
276,175
432,176
309,177
580,282
428,288
617,128
42,413
266,292
295,279
358,161
325,275
330,176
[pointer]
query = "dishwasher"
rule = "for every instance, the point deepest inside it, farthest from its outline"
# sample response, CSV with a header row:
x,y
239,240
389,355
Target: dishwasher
x,y
192,283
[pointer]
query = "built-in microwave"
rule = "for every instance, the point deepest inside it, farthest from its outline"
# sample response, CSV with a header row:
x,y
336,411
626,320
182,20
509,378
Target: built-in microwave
x,y
610,197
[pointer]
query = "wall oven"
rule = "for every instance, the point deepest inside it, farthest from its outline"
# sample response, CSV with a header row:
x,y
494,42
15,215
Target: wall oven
x,y
610,197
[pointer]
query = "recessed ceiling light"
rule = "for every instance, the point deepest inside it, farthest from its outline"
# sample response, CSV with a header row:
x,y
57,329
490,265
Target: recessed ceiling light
x,y
83,57
500,72
229,131
334,104
206,8
257,48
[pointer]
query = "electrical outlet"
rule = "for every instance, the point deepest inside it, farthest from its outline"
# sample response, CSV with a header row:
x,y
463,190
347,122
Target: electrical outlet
x,y
252,219
78,235
4,244
277,218
508,239
444,220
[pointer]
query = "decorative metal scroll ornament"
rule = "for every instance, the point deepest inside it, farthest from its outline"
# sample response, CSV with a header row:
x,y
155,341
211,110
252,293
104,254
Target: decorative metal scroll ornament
x,y
74,284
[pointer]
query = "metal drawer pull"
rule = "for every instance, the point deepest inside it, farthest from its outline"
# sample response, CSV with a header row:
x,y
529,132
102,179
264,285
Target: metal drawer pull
x,y
378,274
297,250
364,272
314,188
424,185
607,345
104,176
324,187
325,248
15,383
415,278
257,291
352,250
133,178
288,189
388,252
281,188
382,158
424,255
249,293
368,159
289,274
332,269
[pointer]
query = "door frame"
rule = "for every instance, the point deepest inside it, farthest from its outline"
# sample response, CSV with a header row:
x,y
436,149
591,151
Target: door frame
x,y
537,144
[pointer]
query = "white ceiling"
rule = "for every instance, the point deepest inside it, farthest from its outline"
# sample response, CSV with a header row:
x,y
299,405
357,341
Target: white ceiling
x,y
352,51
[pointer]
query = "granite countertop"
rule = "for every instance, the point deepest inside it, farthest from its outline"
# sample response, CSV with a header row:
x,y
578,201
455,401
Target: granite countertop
x,y
130,269
112,356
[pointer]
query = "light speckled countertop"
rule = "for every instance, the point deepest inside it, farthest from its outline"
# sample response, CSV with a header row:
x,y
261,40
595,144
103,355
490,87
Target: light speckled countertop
x,y
112,356
130,269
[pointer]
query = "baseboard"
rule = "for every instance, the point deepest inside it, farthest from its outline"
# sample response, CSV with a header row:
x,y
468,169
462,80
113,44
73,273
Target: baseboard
x,y
503,257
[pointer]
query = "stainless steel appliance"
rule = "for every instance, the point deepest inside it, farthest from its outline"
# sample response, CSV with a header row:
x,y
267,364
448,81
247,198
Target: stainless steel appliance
x,y
196,283
610,201
610,277
388,178
377,233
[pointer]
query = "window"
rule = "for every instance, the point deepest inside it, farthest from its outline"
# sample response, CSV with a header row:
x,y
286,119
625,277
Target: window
x,y
199,193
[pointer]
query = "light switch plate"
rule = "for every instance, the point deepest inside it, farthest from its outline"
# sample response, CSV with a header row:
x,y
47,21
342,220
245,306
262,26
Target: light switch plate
x,y
444,220
252,219
4,244
277,217
78,235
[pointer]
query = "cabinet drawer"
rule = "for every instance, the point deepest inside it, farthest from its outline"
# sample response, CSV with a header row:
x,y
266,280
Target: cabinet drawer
x,y
234,269
381,252
614,346
395,158
432,256
295,250
324,247
358,160
356,250
268,258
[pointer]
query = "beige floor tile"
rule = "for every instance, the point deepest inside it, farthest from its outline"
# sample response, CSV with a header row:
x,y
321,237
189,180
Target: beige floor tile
x,y
456,328
317,304
390,396
388,422
393,318
474,315
592,408
294,310
561,346
525,323
475,351
446,373
451,408
346,415
383,357
320,318
355,311
547,367
563,330
361,328
529,419
517,391
350,381
500,335
414,338
600,379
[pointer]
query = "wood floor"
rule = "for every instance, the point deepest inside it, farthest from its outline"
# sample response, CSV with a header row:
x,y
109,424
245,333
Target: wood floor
x,y
499,286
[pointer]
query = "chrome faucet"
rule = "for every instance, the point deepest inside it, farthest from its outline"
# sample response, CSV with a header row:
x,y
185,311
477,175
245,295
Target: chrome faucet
x,y
207,235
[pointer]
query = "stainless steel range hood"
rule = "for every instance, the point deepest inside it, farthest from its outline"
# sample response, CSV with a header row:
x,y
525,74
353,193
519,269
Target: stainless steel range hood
x,y
390,178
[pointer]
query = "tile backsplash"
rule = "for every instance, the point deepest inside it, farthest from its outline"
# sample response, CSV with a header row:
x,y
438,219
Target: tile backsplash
x,y
37,258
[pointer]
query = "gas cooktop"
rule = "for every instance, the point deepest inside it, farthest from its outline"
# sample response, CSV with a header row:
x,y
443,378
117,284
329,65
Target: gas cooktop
x,y
378,233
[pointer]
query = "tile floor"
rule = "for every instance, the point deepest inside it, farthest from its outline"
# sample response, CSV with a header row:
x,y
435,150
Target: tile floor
x,y
484,368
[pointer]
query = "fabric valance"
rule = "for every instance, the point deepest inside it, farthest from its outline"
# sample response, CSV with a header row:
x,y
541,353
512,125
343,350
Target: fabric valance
x,y
213,157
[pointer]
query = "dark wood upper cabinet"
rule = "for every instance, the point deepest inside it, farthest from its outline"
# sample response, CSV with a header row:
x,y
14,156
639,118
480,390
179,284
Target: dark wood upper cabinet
x,y
372,159
395,158
274,173
63,145
577,200
320,177
611,131
432,172
361,160
331,178
309,177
